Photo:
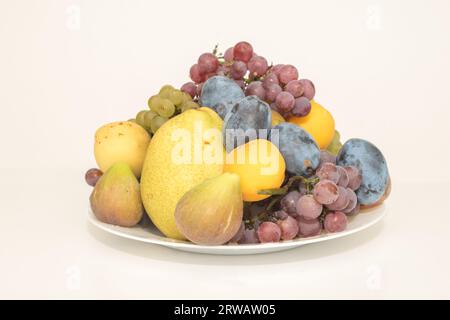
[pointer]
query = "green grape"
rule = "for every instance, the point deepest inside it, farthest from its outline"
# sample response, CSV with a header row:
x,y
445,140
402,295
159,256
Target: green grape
x,y
154,100
189,105
335,144
165,91
157,122
176,96
140,118
148,118
186,96
165,108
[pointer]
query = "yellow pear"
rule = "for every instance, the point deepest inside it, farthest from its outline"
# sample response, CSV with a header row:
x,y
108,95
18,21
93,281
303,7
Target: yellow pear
x,y
184,152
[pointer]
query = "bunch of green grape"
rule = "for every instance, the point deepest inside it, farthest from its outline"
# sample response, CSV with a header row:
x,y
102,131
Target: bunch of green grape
x,y
168,103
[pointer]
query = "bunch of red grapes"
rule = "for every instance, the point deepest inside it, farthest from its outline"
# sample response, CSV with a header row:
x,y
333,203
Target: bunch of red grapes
x,y
279,85
322,203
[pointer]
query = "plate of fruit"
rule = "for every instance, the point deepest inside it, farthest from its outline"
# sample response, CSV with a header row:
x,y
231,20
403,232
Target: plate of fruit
x,y
240,160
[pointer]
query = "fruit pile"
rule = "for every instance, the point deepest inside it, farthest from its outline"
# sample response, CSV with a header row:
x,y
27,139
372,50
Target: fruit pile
x,y
242,154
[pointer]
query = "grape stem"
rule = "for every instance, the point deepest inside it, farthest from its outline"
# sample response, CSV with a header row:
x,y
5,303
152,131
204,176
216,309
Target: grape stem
x,y
277,194
309,182
323,214
273,202
263,216
216,49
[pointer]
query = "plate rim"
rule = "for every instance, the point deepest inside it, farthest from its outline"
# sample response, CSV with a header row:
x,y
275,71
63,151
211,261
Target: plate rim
x,y
286,244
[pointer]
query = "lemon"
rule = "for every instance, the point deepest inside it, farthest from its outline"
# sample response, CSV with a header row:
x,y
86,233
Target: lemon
x,y
184,152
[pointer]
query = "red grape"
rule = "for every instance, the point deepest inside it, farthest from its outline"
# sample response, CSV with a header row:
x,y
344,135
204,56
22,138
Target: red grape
x,y
354,177
325,192
272,91
309,89
228,55
190,88
335,221
289,202
243,51
302,107
326,156
92,176
353,201
249,237
280,214
223,70
308,208
196,74
308,228
295,87
276,69
354,211
328,171
238,70
288,73
257,66
289,228
269,79
255,88
208,62
342,201
285,101
269,232
343,177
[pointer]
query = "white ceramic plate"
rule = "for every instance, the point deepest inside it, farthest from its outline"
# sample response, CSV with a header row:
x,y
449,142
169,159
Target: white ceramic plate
x,y
150,234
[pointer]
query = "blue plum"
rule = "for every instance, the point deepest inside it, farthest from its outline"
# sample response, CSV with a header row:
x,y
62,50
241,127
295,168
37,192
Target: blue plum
x,y
372,164
299,150
220,94
222,109
250,118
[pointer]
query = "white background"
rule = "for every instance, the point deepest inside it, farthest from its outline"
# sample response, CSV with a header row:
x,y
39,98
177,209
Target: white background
x,y
66,67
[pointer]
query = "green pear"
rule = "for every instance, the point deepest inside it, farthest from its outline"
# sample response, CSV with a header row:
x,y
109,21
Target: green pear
x,y
116,198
